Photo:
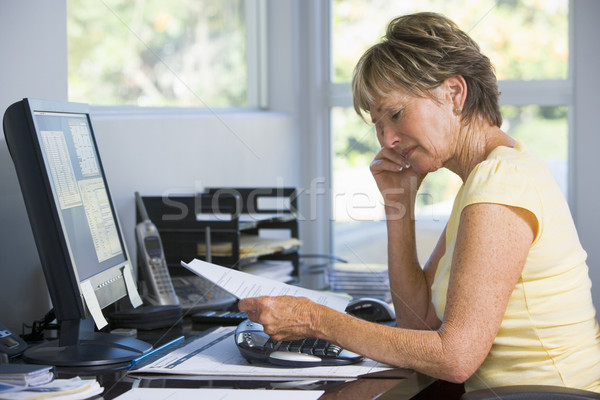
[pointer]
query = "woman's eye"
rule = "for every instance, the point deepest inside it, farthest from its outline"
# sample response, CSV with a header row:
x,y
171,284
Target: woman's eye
x,y
396,116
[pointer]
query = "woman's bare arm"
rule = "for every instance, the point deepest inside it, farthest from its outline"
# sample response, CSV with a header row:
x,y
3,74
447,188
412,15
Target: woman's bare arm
x,y
491,249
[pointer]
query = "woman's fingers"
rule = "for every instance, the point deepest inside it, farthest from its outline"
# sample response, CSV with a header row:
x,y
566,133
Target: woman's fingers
x,y
392,156
381,165
252,307
281,316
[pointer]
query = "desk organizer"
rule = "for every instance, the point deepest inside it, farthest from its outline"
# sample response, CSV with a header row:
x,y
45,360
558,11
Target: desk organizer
x,y
232,227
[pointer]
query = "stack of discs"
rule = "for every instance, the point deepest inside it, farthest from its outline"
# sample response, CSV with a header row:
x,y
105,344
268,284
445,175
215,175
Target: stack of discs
x,y
360,280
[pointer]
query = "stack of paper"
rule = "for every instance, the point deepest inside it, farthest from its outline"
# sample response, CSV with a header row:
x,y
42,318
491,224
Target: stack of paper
x,y
361,280
250,246
278,270
58,389
26,374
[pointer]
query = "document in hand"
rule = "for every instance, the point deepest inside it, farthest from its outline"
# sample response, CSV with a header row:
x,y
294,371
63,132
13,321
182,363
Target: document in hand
x,y
243,285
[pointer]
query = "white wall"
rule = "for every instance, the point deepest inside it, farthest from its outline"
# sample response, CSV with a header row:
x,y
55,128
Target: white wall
x,y
34,64
171,154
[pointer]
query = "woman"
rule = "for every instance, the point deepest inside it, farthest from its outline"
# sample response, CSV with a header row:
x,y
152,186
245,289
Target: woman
x,y
504,298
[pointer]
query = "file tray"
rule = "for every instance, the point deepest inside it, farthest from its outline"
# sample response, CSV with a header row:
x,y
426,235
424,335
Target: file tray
x,y
222,225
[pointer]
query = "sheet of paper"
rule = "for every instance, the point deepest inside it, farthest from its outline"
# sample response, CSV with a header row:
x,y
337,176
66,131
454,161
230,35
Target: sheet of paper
x,y
217,394
216,354
134,296
92,304
243,285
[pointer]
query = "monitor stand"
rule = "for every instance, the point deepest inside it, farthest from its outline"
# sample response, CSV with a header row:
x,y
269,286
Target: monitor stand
x,y
79,346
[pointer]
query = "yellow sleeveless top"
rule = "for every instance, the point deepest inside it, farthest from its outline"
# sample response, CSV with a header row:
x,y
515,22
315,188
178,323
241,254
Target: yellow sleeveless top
x,y
549,334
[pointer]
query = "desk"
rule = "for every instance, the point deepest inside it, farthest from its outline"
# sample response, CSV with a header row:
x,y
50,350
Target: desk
x,y
405,385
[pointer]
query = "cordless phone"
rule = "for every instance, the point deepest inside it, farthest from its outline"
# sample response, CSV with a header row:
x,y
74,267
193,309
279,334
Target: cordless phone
x,y
152,260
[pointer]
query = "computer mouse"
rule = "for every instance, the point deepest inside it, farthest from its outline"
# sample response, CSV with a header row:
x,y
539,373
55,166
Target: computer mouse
x,y
371,309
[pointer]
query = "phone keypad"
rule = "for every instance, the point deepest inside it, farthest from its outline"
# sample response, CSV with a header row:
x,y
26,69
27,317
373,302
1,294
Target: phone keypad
x,y
163,280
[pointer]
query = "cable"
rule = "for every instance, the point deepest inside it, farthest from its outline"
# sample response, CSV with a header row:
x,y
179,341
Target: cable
x,y
328,256
38,327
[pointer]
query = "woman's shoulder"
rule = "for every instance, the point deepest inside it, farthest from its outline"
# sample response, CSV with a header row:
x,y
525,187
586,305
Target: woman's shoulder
x,y
518,154
509,165
510,176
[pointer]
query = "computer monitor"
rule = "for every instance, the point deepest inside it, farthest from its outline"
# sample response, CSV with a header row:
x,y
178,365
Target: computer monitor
x,y
76,230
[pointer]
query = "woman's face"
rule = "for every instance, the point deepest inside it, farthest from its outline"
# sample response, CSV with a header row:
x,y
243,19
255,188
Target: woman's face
x,y
420,129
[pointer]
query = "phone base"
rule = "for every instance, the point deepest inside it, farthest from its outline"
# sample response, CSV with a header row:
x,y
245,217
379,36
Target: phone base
x,y
147,317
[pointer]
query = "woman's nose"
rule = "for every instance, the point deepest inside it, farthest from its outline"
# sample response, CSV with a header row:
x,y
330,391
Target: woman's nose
x,y
389,138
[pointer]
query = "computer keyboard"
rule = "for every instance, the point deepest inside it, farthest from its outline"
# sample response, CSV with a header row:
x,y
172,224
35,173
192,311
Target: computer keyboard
x,y
218,318
198,294
257,347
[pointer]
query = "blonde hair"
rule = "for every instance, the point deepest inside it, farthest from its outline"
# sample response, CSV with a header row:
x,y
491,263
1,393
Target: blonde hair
x,y
418,52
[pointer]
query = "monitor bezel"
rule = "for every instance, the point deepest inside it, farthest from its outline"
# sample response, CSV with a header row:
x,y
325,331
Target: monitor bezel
x,y
61,274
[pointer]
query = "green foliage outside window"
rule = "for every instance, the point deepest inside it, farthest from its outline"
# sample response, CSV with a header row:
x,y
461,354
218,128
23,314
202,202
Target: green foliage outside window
x,y
157,53
525,39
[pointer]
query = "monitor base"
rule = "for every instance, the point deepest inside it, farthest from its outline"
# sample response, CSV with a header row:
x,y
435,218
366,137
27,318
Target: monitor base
x,y
96,349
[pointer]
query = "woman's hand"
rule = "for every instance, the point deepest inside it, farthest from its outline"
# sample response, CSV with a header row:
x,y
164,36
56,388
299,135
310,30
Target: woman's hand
x,y
282,317
396,180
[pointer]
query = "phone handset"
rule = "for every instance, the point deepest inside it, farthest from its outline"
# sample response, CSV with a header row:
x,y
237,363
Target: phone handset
x,y
152,260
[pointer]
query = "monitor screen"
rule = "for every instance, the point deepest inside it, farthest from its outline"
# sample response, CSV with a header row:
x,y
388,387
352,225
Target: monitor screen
x,y
79,189
75,227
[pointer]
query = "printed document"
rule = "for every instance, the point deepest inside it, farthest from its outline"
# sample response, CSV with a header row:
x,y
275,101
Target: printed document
x,y
243,285
217,394
216,354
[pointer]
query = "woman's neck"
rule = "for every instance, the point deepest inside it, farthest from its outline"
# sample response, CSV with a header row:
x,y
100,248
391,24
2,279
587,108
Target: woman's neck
x,y
474,144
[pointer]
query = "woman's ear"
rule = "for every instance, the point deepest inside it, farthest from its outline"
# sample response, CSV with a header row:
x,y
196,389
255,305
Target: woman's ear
x,y
456,89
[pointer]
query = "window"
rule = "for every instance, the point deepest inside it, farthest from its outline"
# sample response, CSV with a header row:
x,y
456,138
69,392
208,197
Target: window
x,y
526,40
161,53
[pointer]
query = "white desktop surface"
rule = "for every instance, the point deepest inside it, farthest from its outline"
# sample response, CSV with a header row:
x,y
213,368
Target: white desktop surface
x,y
216,355
217,394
